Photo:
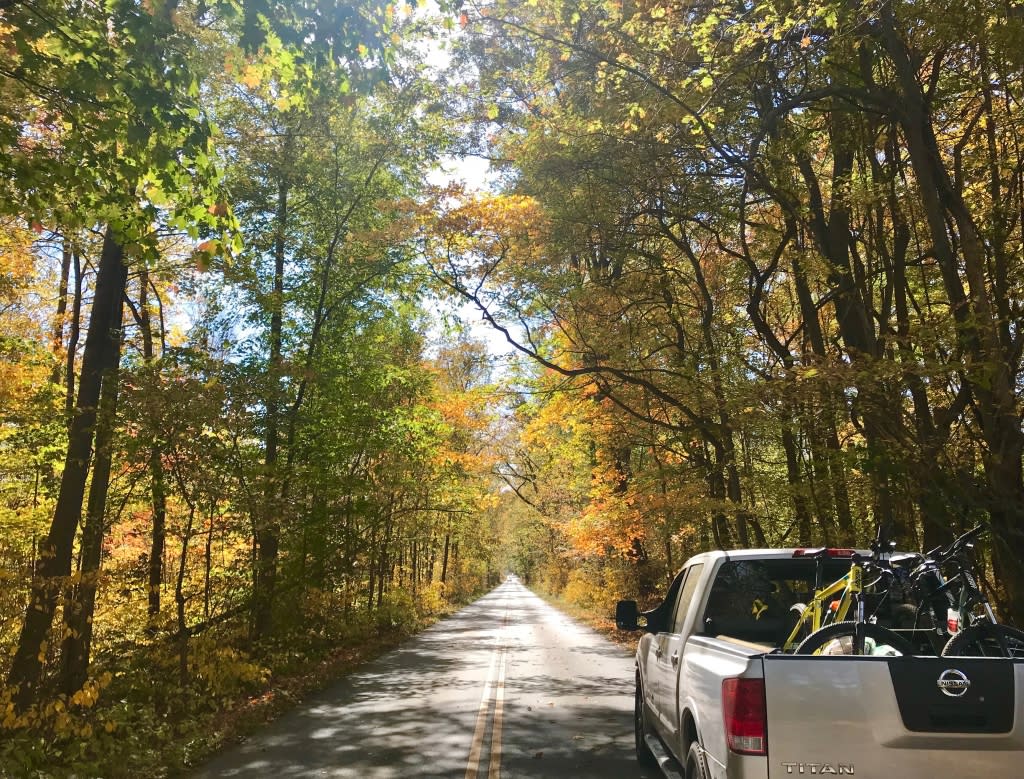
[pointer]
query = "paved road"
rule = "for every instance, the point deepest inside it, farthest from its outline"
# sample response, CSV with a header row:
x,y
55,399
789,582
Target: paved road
x,y
508,687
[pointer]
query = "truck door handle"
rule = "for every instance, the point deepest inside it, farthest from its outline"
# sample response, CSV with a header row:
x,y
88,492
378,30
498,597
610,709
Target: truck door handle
x,y
675,658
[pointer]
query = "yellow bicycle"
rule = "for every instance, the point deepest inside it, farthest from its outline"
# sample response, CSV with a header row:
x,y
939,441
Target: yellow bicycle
x,y
831,631
824,608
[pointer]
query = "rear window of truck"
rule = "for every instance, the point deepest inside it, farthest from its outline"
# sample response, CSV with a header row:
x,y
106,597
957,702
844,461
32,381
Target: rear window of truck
x,y
751,599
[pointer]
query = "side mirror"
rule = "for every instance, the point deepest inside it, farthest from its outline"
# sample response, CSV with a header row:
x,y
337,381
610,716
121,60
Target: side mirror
x,y
626,614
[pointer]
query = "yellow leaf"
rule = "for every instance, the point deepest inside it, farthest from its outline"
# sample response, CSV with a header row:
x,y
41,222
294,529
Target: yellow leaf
x,y
251,77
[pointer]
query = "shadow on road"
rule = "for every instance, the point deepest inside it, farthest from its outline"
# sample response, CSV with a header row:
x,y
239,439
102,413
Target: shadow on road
x,y
413,712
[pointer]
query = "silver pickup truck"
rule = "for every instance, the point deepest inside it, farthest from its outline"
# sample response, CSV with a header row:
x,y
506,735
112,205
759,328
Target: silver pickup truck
x,y
715,698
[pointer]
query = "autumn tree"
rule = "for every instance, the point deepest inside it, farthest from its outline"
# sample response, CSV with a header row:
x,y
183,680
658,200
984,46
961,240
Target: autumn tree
x,y
106,104
784,195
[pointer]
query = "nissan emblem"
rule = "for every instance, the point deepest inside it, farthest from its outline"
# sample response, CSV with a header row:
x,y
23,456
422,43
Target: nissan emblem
x,y
953,683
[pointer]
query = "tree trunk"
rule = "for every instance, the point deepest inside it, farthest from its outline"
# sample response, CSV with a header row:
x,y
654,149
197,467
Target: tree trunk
x,y
794,477
157,478
830,226
372,572
78,614
57,332
180,600
385,560
103,338
826,450
268,537
208,562
444,557
433,558
74,331
415,567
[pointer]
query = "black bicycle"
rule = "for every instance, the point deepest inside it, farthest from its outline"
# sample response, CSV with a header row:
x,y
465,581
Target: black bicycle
x,y
969,620
954,617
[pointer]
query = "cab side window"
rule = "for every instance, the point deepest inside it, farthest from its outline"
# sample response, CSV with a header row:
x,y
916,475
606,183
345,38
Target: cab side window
x,y
686,596
659,618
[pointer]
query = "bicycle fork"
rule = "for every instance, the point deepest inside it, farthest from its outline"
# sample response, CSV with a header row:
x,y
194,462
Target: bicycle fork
x,y
859,630
973,590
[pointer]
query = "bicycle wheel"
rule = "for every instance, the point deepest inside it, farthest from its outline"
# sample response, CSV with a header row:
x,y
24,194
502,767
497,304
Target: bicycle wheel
x,y
982,640
843,632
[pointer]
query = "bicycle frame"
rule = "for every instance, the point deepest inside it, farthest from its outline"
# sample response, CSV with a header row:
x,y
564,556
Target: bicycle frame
x,y
816,615
970,596
959,594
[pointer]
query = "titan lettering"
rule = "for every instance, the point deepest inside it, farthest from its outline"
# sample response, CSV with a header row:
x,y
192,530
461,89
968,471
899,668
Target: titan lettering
x,y
819,769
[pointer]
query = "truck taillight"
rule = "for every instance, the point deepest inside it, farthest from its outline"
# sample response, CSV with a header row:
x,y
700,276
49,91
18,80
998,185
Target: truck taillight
x,y
746,717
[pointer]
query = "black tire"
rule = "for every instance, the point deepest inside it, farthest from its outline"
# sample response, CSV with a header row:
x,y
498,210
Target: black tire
x,y
982,640
644,755
694,768
820,638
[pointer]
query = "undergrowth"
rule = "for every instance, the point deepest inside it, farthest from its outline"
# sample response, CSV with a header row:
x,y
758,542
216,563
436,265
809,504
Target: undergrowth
x,y
148,714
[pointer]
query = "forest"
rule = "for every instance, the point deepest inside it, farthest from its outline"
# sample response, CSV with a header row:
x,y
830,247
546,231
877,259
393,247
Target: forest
x,y
277,391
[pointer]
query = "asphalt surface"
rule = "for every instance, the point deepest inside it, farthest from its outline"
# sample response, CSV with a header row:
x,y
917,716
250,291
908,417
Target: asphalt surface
x,y
508,687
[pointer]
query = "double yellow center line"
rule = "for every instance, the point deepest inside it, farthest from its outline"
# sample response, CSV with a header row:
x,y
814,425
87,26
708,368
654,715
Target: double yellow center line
x,y
494,691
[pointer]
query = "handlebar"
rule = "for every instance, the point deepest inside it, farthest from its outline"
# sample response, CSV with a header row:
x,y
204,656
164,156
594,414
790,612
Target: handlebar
x,y
941,554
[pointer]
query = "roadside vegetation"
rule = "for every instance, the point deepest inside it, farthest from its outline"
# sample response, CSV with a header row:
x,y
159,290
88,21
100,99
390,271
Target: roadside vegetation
x,y
760,263
238,450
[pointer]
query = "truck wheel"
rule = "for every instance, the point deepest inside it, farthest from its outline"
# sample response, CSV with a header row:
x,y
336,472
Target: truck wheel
x,y
695,763
982,640
643,752
844,632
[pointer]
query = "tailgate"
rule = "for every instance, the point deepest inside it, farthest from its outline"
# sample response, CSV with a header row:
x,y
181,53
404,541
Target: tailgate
x,y
885,717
